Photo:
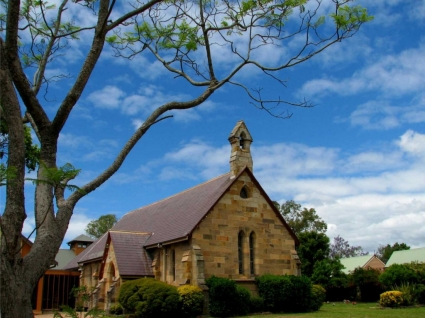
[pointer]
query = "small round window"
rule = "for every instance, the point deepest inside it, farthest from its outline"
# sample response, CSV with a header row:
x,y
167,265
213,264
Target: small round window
x,y
244,193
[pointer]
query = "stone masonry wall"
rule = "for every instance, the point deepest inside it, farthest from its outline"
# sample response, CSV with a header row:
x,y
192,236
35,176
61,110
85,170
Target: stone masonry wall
x,y
217,236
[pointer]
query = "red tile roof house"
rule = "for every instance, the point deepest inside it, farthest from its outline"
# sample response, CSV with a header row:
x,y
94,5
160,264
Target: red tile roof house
x,y
227,227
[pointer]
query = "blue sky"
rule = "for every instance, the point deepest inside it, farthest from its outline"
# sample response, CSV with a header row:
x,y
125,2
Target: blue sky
x,y
357,157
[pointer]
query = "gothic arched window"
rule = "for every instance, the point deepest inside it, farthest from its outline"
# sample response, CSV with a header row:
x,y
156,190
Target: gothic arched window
x,y
244,192
240,251
252,253
173,264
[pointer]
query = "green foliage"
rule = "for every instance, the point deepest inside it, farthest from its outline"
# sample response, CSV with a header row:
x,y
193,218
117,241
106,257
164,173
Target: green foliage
x,y
385,251
301,219
285,293
318,296
398,274
328,272
7,174
392,298
58,177
243,300
32,151
100,226
420,293
409,293
367,280
350,18
149,298
116,309
314,247
192,300
256,304
226,298
68,312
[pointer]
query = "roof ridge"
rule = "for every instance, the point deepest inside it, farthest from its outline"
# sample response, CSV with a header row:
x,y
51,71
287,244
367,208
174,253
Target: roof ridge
x,y
131,232
177,194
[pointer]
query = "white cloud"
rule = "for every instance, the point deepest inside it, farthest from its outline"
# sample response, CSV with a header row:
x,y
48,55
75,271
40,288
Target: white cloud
x,y
369,196
413,142
393,75
109,97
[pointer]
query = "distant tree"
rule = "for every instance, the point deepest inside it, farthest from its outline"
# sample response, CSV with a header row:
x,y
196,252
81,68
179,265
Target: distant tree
x,y
398,274
301,219
341,249
314,247
367,280
328,273
100,226
385,251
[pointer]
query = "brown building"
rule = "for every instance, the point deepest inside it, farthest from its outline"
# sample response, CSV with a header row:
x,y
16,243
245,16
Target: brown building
x,y
366,262
54,288
227,227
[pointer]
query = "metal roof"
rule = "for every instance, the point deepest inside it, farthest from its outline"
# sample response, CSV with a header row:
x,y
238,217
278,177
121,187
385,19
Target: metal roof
x,y
351,263
82,238
407,256
63,257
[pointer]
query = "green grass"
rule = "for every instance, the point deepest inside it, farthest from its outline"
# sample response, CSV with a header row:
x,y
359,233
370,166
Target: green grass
x,y
361,310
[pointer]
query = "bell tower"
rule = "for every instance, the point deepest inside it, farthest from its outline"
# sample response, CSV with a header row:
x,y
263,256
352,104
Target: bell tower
x,y
240,140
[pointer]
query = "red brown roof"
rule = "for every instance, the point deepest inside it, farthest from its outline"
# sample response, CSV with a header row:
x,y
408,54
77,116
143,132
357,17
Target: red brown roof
x,y
169,220
175,217
93,252
132,259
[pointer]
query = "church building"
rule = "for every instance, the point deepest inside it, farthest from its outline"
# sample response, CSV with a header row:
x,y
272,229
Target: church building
x,y
227,227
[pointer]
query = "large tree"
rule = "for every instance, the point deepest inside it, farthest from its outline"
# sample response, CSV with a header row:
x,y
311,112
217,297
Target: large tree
x,y
181,35
301,219
314,247
97,228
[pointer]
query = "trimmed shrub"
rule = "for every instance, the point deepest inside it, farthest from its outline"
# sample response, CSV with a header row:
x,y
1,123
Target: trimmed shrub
x,y
147,297
367,280
226,298
243,300
256,304
285,293
192,300
392,298
420,293
318,296
116,309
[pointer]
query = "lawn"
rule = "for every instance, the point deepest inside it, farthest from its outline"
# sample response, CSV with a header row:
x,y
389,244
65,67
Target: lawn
x,y
361,310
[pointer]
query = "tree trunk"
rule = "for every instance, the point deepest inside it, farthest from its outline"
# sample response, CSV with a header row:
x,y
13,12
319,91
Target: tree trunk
x,y
16,291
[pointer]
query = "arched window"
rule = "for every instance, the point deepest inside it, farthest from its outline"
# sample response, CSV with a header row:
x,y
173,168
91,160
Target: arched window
x,y
244,193
252,253
240,251
242,138
173,264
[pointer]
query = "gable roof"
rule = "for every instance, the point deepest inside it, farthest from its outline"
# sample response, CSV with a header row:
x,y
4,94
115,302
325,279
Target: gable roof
x,y
170,220
351,263
407,256
81,238
92,252
132,259
63,257
176,217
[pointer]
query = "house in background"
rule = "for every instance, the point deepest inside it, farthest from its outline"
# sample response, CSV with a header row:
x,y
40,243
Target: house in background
x,y
366,262
227,227
407,256
54,288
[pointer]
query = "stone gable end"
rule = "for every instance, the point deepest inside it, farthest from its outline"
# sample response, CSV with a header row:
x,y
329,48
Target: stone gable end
x,y
217,235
